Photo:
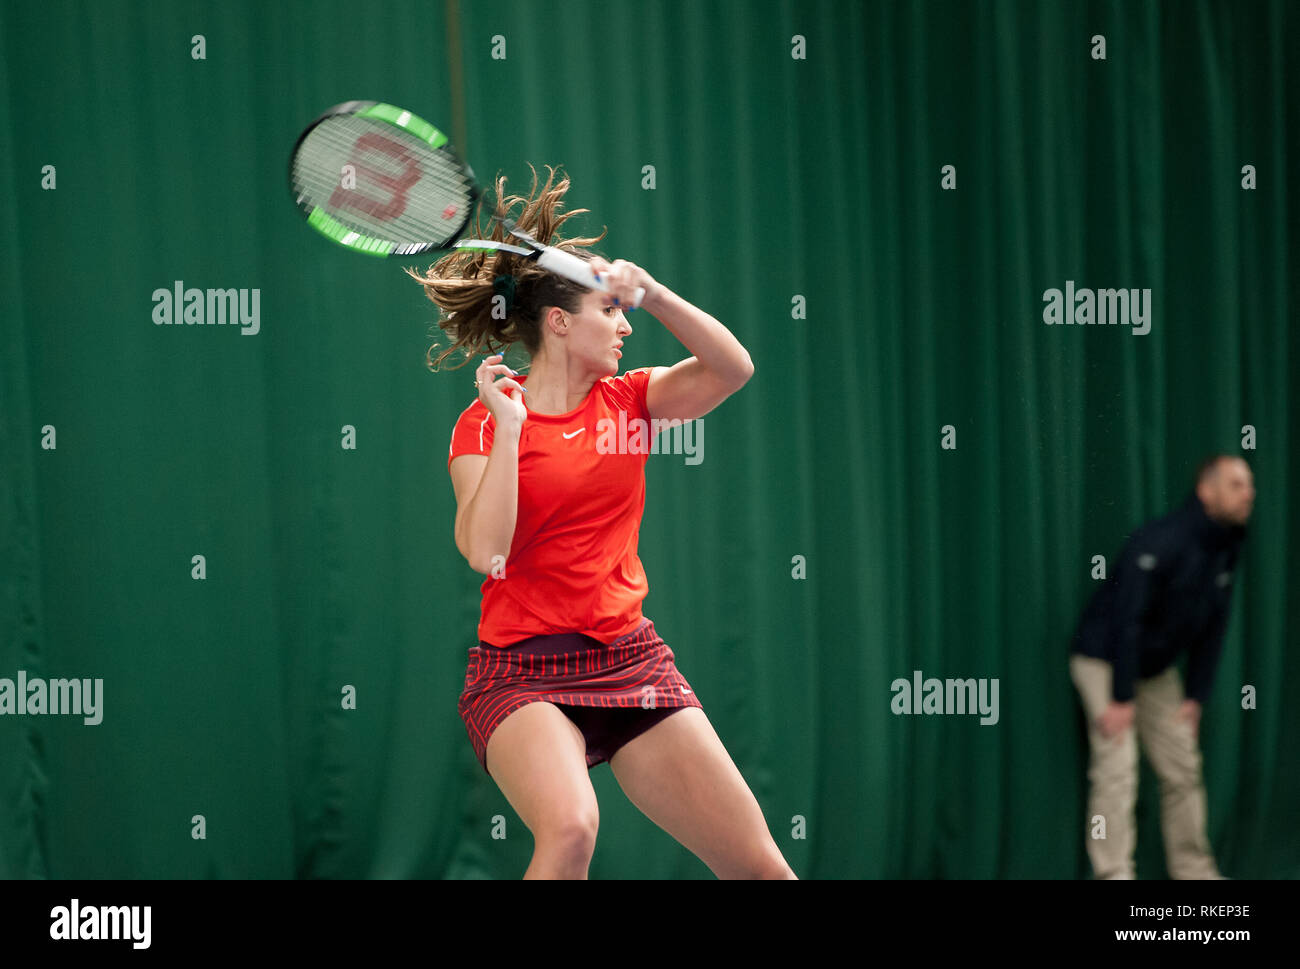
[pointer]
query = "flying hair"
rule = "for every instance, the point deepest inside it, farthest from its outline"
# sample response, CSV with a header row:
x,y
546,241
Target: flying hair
x,y
474,313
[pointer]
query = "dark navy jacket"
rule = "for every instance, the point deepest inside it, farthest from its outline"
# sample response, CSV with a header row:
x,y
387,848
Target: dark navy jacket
x,y
1170,591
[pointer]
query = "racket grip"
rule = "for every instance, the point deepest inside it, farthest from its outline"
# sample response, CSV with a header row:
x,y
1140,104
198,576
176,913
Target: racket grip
x,y
569,266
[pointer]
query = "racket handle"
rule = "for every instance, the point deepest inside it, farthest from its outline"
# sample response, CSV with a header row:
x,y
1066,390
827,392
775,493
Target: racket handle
x,y
569,266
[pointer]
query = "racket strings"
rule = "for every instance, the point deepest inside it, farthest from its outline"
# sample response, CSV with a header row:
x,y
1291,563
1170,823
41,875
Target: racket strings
x,y
397,187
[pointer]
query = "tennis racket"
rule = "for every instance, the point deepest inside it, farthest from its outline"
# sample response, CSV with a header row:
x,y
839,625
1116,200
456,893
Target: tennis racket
x,y
379,180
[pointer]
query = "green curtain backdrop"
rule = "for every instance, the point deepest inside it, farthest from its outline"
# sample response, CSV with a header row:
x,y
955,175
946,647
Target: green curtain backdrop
x,y
780,182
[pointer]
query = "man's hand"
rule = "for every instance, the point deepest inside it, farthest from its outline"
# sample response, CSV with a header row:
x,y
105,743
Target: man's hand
x,y
1116,718
1190,711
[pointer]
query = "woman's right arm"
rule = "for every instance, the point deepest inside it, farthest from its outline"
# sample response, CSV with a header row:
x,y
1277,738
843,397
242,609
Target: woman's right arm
x,y
487,495
487,488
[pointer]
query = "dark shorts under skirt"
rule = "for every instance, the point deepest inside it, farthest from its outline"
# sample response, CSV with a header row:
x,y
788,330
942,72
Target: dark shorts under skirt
x,y
613,692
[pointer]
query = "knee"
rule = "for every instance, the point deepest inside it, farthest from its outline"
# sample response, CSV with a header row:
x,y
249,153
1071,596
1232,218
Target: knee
x,y
766,864
1179,770
570,838
1117,764
778,871
1183,779
1117,779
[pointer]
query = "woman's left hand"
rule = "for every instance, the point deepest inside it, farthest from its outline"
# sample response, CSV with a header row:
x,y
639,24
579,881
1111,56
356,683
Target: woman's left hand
x,y
624,279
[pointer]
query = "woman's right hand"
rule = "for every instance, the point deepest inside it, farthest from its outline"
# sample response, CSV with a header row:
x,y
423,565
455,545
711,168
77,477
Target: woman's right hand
x,y
502,397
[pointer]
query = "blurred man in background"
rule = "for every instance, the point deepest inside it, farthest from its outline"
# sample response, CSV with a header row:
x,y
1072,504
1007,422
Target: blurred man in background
x,y
1169,594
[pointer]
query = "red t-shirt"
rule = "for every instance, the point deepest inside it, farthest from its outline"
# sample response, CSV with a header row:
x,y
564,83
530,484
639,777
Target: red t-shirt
x,y
573,564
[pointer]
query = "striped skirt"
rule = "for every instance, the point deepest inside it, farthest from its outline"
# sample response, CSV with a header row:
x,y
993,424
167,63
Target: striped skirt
x,y
612,692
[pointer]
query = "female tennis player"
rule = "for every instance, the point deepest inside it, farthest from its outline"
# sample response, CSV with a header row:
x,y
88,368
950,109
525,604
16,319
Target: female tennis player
x,y
568,673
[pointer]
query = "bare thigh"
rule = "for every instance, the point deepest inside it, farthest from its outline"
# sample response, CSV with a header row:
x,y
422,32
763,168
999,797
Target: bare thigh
x,y
538,757
682,778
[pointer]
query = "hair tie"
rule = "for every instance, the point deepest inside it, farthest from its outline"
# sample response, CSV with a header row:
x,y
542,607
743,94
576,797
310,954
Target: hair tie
x,y
504,285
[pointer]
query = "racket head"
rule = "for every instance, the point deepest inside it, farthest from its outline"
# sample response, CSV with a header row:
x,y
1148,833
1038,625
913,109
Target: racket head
x,y
406,192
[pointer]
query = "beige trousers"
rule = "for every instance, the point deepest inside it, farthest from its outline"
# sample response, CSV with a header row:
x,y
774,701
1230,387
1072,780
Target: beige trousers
x,y
1172,748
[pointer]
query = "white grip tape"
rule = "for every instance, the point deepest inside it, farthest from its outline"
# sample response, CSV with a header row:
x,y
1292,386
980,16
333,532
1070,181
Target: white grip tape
x,y
568,265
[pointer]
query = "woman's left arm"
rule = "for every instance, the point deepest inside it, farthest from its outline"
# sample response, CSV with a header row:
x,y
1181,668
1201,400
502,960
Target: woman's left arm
x,y
694,386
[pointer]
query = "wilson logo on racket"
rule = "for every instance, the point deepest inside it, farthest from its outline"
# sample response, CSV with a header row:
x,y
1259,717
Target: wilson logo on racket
x,y
351,198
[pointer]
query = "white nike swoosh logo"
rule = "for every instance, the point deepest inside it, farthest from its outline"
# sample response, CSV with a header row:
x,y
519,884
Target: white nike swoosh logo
x,y
574,434
684,690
